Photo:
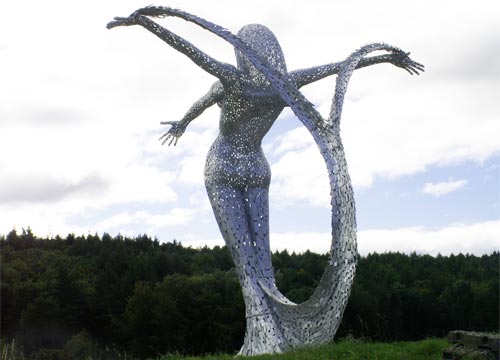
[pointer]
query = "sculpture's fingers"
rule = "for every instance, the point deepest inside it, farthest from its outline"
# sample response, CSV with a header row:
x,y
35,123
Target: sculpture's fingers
x,y
175,142
168,122
171,140
154,11
120,21
419,66
417,70
113,24
167,137
413,70
408,70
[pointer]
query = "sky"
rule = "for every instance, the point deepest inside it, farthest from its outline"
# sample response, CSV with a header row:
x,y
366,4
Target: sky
x,y
80,112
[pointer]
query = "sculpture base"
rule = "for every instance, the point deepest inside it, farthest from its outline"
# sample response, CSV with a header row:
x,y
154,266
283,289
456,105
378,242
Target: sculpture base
x,y
263,336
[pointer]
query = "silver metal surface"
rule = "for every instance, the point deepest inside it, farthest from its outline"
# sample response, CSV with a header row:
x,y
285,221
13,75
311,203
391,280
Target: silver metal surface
x,y
237,174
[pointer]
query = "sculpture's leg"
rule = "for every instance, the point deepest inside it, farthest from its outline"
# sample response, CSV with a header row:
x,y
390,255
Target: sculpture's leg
x,y
257,208
238,213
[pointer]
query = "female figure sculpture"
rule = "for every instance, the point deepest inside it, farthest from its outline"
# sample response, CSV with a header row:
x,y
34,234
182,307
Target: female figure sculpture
x,y
237,176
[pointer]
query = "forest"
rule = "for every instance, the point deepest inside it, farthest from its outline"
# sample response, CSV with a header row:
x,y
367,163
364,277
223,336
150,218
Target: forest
x,y
147,297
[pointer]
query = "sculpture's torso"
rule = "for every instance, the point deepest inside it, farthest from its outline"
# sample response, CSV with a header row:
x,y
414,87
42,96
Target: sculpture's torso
x,y
236,157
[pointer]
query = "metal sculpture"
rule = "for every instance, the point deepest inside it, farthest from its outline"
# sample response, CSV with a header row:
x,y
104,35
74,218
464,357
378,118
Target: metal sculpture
x,y
237,174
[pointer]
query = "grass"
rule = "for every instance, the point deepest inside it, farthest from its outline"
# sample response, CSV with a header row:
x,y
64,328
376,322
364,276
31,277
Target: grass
x,y
428,349
10,351
347,350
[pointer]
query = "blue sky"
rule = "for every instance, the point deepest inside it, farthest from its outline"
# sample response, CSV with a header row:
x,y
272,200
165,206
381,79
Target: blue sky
x,y
81,106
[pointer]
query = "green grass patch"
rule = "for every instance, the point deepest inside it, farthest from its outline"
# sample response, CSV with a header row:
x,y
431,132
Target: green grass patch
x,y
428,349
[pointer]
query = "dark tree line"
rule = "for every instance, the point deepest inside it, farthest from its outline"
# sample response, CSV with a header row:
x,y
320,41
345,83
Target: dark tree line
x,y
145,297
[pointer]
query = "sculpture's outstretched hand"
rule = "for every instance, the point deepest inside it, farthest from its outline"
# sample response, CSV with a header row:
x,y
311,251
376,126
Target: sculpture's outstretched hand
x,y
402,60
121,21
131,20
152,11
174,133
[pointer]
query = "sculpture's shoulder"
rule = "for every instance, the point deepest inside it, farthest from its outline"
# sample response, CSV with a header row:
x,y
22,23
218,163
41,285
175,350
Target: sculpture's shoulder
x,y
217,92
217,87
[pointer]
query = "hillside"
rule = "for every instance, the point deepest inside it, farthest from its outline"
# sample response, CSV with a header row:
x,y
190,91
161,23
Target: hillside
x,y
150,298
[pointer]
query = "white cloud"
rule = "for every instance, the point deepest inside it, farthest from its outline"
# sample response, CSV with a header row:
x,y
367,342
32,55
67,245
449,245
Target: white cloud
x,y
176,216
387,135
118,220
127,223
395,125
293,140
443,188
475,238
195,241
300,176
49,220
390,135
191,169
300,242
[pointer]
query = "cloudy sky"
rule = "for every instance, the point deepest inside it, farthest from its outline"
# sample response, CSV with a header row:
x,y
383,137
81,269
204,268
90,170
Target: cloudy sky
x,y
80,108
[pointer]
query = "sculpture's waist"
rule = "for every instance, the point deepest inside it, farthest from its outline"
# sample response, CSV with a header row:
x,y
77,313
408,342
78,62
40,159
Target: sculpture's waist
x,y
237,165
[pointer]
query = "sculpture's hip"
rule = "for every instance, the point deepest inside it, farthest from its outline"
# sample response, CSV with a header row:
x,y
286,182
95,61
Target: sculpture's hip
x,y
236,164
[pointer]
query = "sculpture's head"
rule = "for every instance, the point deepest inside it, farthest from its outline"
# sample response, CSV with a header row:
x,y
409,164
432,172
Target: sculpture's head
x,y
262,40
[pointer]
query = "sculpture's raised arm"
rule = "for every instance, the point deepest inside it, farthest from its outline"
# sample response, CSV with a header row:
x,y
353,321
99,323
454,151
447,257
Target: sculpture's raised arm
x,y
214,95
223,71
399,58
